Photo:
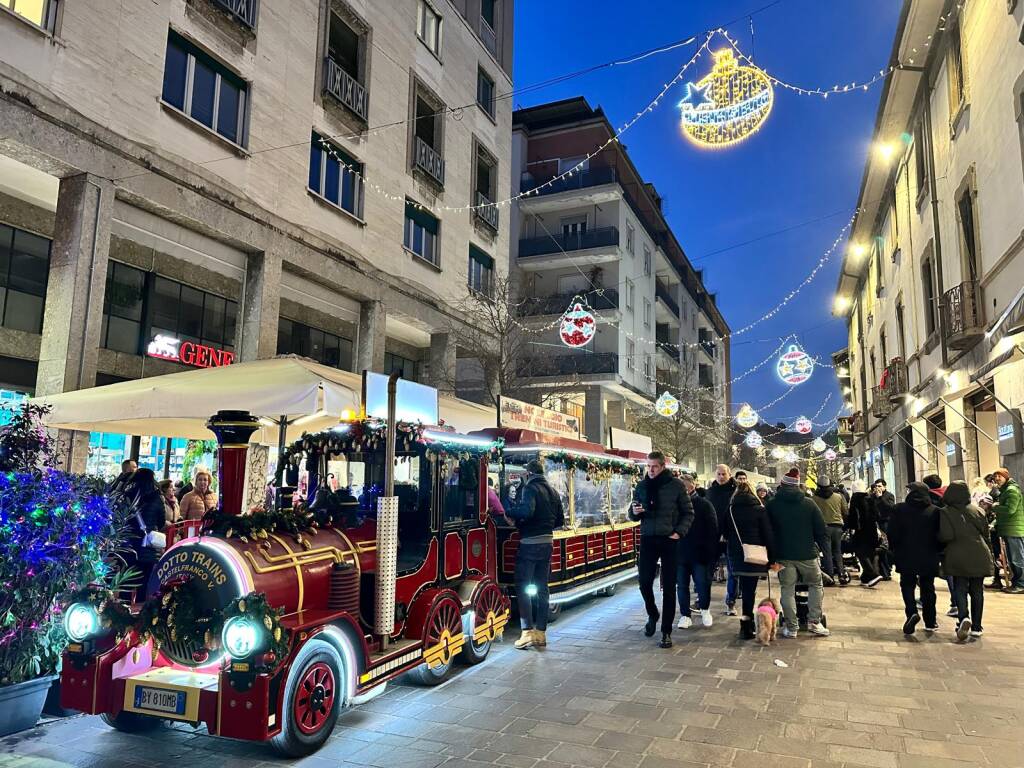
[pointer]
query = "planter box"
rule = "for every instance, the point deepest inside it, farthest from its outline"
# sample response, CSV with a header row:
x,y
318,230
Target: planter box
x,y
21,704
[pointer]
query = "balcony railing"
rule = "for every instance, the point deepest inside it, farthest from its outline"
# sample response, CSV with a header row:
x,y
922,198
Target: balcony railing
x,y
895,379
242,10
663,292
849,426
964,315
608,299
486,211
672,350
429,161
570,365
881,405
346,89
591,177
602,237
487,37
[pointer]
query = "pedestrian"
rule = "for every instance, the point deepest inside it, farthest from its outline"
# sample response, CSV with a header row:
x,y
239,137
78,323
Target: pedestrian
x,y
741,476
537,514
966,559
881,490
123,480
841,488
862,521
763,493
937,491
663,507
884,504
720,494
833,512
914,538
494,507
698,550
1009,511
201,499
171,511
747,526
797,526
145,526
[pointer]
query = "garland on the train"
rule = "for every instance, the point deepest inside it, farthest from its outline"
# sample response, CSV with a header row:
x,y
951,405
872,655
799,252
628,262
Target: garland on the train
x,y
597,468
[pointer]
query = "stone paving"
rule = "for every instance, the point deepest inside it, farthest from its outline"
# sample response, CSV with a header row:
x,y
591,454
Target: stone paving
x,y
603,695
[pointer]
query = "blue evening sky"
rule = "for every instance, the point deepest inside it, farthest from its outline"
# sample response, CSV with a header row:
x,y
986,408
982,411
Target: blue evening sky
x,y
804,165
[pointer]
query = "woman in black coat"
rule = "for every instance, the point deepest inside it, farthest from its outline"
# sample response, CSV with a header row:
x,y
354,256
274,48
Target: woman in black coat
x,y
863,522
914,538
747,523
148,514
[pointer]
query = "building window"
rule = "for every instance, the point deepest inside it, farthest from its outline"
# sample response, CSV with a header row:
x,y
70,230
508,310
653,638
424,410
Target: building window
x,y
295,338
123,304
40,12
428,134
647,261
879,287
335,176
189,314
955,70
485,91
486,170
403,366
629,294
968,234
345,65
481,272
488,12
930,308
421,231
24,268
901,334
428,26
647,312
343,46
631,355
920,159
648,368
630,239
204,89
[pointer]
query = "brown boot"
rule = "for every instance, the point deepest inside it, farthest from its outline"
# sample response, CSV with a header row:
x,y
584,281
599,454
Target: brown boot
x,y
525,640
540,638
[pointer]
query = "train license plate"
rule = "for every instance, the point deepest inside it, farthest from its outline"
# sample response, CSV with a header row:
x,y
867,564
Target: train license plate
x,y
160,700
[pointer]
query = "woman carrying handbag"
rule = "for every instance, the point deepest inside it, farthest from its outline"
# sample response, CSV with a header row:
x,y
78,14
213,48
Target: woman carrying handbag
x,y
748,545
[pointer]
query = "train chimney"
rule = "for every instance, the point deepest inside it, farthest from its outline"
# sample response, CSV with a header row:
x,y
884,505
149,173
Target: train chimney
x,y
233,430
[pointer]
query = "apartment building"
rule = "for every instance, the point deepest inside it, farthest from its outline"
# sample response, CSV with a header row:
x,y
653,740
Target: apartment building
x,y
191,182
933,282
592,227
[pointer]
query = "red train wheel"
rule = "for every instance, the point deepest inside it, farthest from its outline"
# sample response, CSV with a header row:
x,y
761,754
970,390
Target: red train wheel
x,y
315,698
489,617
443,638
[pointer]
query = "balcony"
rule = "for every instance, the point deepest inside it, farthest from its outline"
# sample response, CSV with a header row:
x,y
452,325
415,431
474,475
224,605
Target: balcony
x,y
881,405
664,293
571,365
486,212
243,11
537,306
487,37
601,237
963,314
672,350
346,89
895,379
429,161
591,177
845,426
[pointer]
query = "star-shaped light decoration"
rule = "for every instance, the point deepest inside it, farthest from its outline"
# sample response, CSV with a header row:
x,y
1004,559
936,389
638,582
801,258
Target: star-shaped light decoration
x,y
696,96
786,369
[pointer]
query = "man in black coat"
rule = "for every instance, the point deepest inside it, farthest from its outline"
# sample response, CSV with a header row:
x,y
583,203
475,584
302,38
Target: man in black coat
x,y
698,550
883,505
914,538
665,512
720,493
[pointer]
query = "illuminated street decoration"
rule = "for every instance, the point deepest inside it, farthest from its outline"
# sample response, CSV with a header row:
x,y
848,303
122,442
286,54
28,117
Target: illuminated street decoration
x,y
778,452
747,417
841,447
577,326
667,405
753,439
794,366
830,455
818,445
727,105
792,457
803,425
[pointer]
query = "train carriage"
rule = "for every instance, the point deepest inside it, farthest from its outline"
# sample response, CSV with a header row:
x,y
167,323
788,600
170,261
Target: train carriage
x,y
265,626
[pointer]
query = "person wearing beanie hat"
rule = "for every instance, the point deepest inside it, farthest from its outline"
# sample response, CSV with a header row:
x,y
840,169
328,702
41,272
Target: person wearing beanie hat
x,y
914,538
763,493
834,510
792,477
1010,527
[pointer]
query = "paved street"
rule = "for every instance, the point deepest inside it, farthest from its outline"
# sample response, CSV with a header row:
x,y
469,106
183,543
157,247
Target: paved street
x,y
603,695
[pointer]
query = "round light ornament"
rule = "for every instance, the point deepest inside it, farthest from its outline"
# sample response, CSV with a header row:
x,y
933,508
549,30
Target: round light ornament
x,y
818,445
794,366
747,416
778,452
728,105
792,457
753,439
578,326
803,425
667,404
830,455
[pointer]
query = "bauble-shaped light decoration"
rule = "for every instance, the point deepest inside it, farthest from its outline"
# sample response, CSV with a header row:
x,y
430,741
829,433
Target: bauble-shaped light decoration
x,y
727,105
830,455
803,425
578,326
753,439
747,417
818,445
667,404
794,366
778,452
791,457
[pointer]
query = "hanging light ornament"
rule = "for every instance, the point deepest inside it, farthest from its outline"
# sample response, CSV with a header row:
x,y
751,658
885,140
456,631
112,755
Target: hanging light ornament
x,y
747,416
818,445
803,425
794,366
578,326
830,455
753,439
667,404
792,457
840,447
728,105
778,452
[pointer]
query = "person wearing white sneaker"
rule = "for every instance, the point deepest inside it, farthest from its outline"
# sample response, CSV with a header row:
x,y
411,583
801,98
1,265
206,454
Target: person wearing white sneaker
x,y
789,634
914,539
697,551
967,559
818,629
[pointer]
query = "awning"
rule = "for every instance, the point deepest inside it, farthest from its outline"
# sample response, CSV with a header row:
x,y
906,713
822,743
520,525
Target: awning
x,y
178,404
1013,354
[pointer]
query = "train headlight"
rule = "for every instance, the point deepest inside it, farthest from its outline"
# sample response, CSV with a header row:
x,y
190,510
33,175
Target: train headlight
x,y
81,621
242,637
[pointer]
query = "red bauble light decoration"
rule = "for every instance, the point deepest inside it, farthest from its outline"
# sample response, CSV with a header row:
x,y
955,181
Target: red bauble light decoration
x,y
578,326
803,425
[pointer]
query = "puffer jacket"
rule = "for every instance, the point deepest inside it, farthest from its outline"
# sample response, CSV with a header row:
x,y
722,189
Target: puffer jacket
x,y
796,525
914,533
700,544
832,505
863,521
749,519
1009,511
667,506
963,530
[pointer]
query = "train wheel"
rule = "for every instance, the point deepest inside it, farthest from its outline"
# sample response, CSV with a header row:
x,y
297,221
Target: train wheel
x,y
313,697
607,591
554,611
129,722
443,638
484,624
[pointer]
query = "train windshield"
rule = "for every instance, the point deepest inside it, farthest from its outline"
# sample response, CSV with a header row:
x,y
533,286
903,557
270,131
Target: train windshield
x,y
360,476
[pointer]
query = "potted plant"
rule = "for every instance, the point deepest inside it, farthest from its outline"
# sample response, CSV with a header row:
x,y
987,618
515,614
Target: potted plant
x,y
57,532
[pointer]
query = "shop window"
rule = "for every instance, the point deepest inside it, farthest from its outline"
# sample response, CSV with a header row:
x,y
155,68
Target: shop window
x,y
42,13
421,233
190,314
485,91
204,89
335,176
123,304
481,272
295,338
24,268
403,366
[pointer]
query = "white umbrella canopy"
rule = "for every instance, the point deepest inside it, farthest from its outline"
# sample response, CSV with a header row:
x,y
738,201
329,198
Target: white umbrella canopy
x,y
312,397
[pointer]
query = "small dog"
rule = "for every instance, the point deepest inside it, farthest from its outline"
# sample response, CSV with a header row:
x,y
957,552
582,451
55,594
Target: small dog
x,y
767,619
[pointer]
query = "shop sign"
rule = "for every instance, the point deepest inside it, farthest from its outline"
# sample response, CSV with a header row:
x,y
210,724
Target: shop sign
x,y
515,414
1011,437
188,352
414,403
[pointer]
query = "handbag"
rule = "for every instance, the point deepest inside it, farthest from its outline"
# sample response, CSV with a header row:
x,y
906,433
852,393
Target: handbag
x,y
753,554
151,539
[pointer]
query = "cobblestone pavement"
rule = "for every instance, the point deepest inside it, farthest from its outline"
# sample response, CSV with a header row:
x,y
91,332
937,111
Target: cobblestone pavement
x,y
603,695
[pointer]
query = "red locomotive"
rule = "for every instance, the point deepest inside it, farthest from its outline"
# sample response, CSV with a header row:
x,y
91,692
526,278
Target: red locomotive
x,y
397,573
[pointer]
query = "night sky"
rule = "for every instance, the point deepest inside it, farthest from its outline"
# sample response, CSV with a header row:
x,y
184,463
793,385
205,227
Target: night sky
x,y
801,172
